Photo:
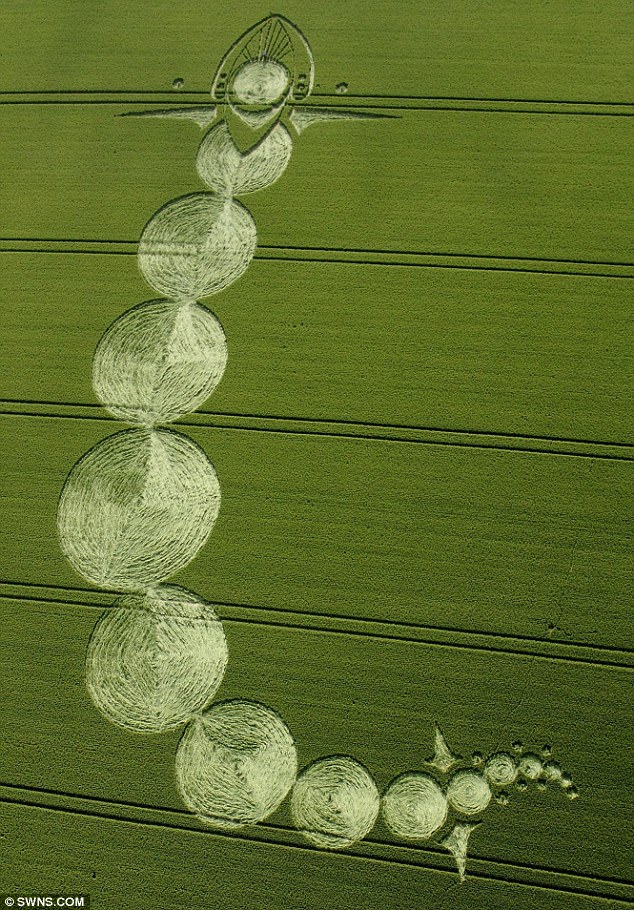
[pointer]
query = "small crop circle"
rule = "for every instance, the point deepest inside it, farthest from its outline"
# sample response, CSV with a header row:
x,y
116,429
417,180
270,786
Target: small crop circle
x,y
500,769
260,82
235,763
468,793
335,802
414,806
531,766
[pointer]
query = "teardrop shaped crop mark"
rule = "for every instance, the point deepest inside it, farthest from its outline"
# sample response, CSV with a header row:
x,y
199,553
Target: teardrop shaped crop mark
x,y
140,504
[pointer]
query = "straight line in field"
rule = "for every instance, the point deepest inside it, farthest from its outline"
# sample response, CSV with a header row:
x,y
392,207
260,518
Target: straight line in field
x,y
284,837
500,643
343,429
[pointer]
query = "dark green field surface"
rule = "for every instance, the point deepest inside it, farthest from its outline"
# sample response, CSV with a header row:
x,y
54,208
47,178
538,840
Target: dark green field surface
x,y
475,50
482,183
412,348
515,543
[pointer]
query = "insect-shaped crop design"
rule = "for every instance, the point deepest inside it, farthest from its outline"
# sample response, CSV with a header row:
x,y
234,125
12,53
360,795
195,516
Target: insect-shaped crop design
x,y
139,506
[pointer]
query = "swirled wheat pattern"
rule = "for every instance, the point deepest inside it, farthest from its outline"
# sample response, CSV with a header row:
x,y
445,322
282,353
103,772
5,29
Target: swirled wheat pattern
x,y
139,506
